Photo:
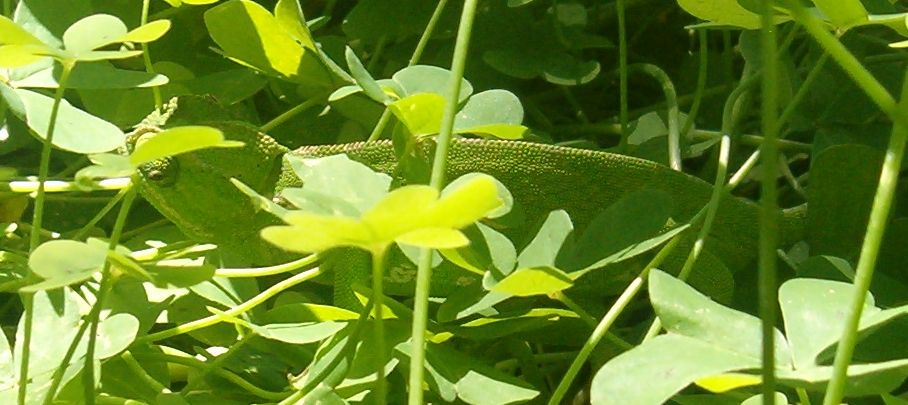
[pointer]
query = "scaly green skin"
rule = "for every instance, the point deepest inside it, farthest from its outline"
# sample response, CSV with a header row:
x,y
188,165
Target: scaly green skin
x,y
541,178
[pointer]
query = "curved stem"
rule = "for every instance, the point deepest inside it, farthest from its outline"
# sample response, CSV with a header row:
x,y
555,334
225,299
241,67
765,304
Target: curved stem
x,y
671,99
270,270
232,312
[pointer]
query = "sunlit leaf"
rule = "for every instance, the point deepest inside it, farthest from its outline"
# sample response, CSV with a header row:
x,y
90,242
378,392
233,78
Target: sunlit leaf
x,y
93,32
530,281
12,33
728,381
148,32
421,113
174,141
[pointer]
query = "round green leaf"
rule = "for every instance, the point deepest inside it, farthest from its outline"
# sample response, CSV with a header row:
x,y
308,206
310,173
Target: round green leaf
x,y
489,107
100,75
115,334
76,130
174,141
64,258
428,79
93,32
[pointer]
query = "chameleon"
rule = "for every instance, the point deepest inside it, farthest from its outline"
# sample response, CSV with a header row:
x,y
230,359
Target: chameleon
x,y
194,190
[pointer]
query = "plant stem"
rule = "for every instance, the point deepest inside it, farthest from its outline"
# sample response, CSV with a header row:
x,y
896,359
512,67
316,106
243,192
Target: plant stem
x,y
146,58
870,249
232,312
846,60
378,272
286,115
769,222
622,75
107,281
417,53
702,72
671,99
269,270
620,304
37,218
424,269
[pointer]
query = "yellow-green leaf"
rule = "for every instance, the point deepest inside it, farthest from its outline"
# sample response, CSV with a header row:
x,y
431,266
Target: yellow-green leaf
x,y
177,140
466,203
421,113
148,32
727,382
400,211
534,281
315,233
435,238
13,56
12,33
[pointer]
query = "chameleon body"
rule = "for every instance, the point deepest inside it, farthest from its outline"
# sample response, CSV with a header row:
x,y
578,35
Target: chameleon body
x,y
193,190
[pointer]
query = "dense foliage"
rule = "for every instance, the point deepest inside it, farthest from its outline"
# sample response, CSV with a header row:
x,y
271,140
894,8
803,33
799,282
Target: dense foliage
x,y
771,271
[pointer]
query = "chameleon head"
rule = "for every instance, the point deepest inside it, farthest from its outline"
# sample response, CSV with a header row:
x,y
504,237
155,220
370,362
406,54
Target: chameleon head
x,y
194,190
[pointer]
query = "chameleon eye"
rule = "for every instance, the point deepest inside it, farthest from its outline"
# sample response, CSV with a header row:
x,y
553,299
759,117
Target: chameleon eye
x,y
161,173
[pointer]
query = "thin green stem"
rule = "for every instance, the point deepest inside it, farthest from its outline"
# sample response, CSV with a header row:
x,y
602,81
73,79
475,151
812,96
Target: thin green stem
x,y
414,59
287,115
424,268
270,270
610,317
792,105
215,364
846,60
671,99
769,222
220,372
37,218
64,365
376,55
235,311
870,249
328,370
378,295
146,59
100,215
427,33
702,75
107,282
622,76
140,372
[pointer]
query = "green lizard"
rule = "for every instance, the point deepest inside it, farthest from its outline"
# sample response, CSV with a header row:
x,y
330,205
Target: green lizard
x,y
193,190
